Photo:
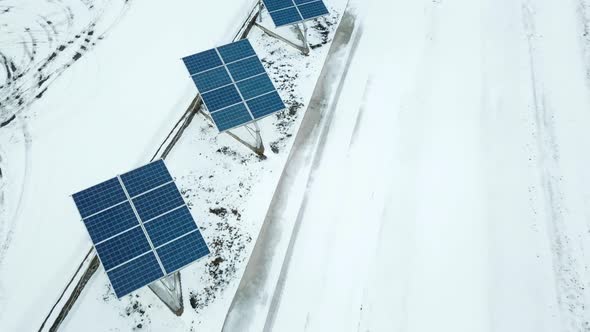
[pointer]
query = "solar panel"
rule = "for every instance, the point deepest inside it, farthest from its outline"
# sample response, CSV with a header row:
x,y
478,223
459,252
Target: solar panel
x,y
140,226
285,12
230,78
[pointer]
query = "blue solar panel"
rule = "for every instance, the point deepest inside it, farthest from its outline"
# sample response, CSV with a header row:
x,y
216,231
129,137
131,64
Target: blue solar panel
x,y
277,4
111,222
313,9
255,86
222,97
146,177
126,234
179,253
157,202
236,51
228,101
99,197
135,274
245,68
199,62
286,16
285,12
265,105
212,79
231,117
170,226
122,248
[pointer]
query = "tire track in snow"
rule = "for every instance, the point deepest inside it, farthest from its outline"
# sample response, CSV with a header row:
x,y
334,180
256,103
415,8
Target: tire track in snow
x,y
41,40
7,227
569,282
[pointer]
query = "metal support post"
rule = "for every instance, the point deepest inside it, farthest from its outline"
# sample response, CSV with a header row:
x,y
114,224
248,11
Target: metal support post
x,y
257,147
302,33
168,289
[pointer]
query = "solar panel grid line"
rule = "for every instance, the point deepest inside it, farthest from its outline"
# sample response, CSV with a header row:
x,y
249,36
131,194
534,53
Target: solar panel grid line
x,y
145,178
165,213
171,226
289,12
262,95
222,109
125,279
223,86
177,238
299,11
310,8
169,251
128,261
118,234
271,80
157,202
242,80
142,226
89,201
99,212
229,63
153,189
123,247
234,82
206,70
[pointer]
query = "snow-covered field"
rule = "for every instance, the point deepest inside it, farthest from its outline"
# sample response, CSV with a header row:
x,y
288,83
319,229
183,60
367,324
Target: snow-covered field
x,y
437,182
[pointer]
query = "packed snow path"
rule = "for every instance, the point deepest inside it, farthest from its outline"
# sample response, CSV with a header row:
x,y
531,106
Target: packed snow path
x,y
453,190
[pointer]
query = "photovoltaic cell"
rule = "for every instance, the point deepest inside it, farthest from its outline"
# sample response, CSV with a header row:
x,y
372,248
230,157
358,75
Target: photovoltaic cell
x,y
313,9
231,117
255,86
236,51
286,16
226,90
243,69
273,5
212,79
221,98
146,177
266,104
199,62
170,226
122,248
111,222
179,253
285,12
156,202
147,213
136,274
99,197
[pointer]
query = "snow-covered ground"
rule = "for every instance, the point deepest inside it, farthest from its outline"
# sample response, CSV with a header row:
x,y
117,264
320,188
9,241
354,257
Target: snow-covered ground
x,y
453,191
439,181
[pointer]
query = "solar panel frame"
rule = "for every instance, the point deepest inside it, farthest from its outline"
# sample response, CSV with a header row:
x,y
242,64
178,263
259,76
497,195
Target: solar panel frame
x,y
119,261
283,15
223,116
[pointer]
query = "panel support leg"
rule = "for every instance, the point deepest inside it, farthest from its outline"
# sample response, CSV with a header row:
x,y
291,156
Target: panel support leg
x,y
257,147
302,33
169,291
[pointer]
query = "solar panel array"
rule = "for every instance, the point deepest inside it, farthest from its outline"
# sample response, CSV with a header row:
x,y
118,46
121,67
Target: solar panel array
x,y
140,226
233,84
285,12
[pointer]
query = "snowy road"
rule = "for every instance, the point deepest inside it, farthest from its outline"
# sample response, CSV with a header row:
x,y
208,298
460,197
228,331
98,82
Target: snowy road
x,y
452,193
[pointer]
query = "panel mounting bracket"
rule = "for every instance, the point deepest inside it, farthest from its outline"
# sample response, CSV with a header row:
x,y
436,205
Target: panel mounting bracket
x,y
301,30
